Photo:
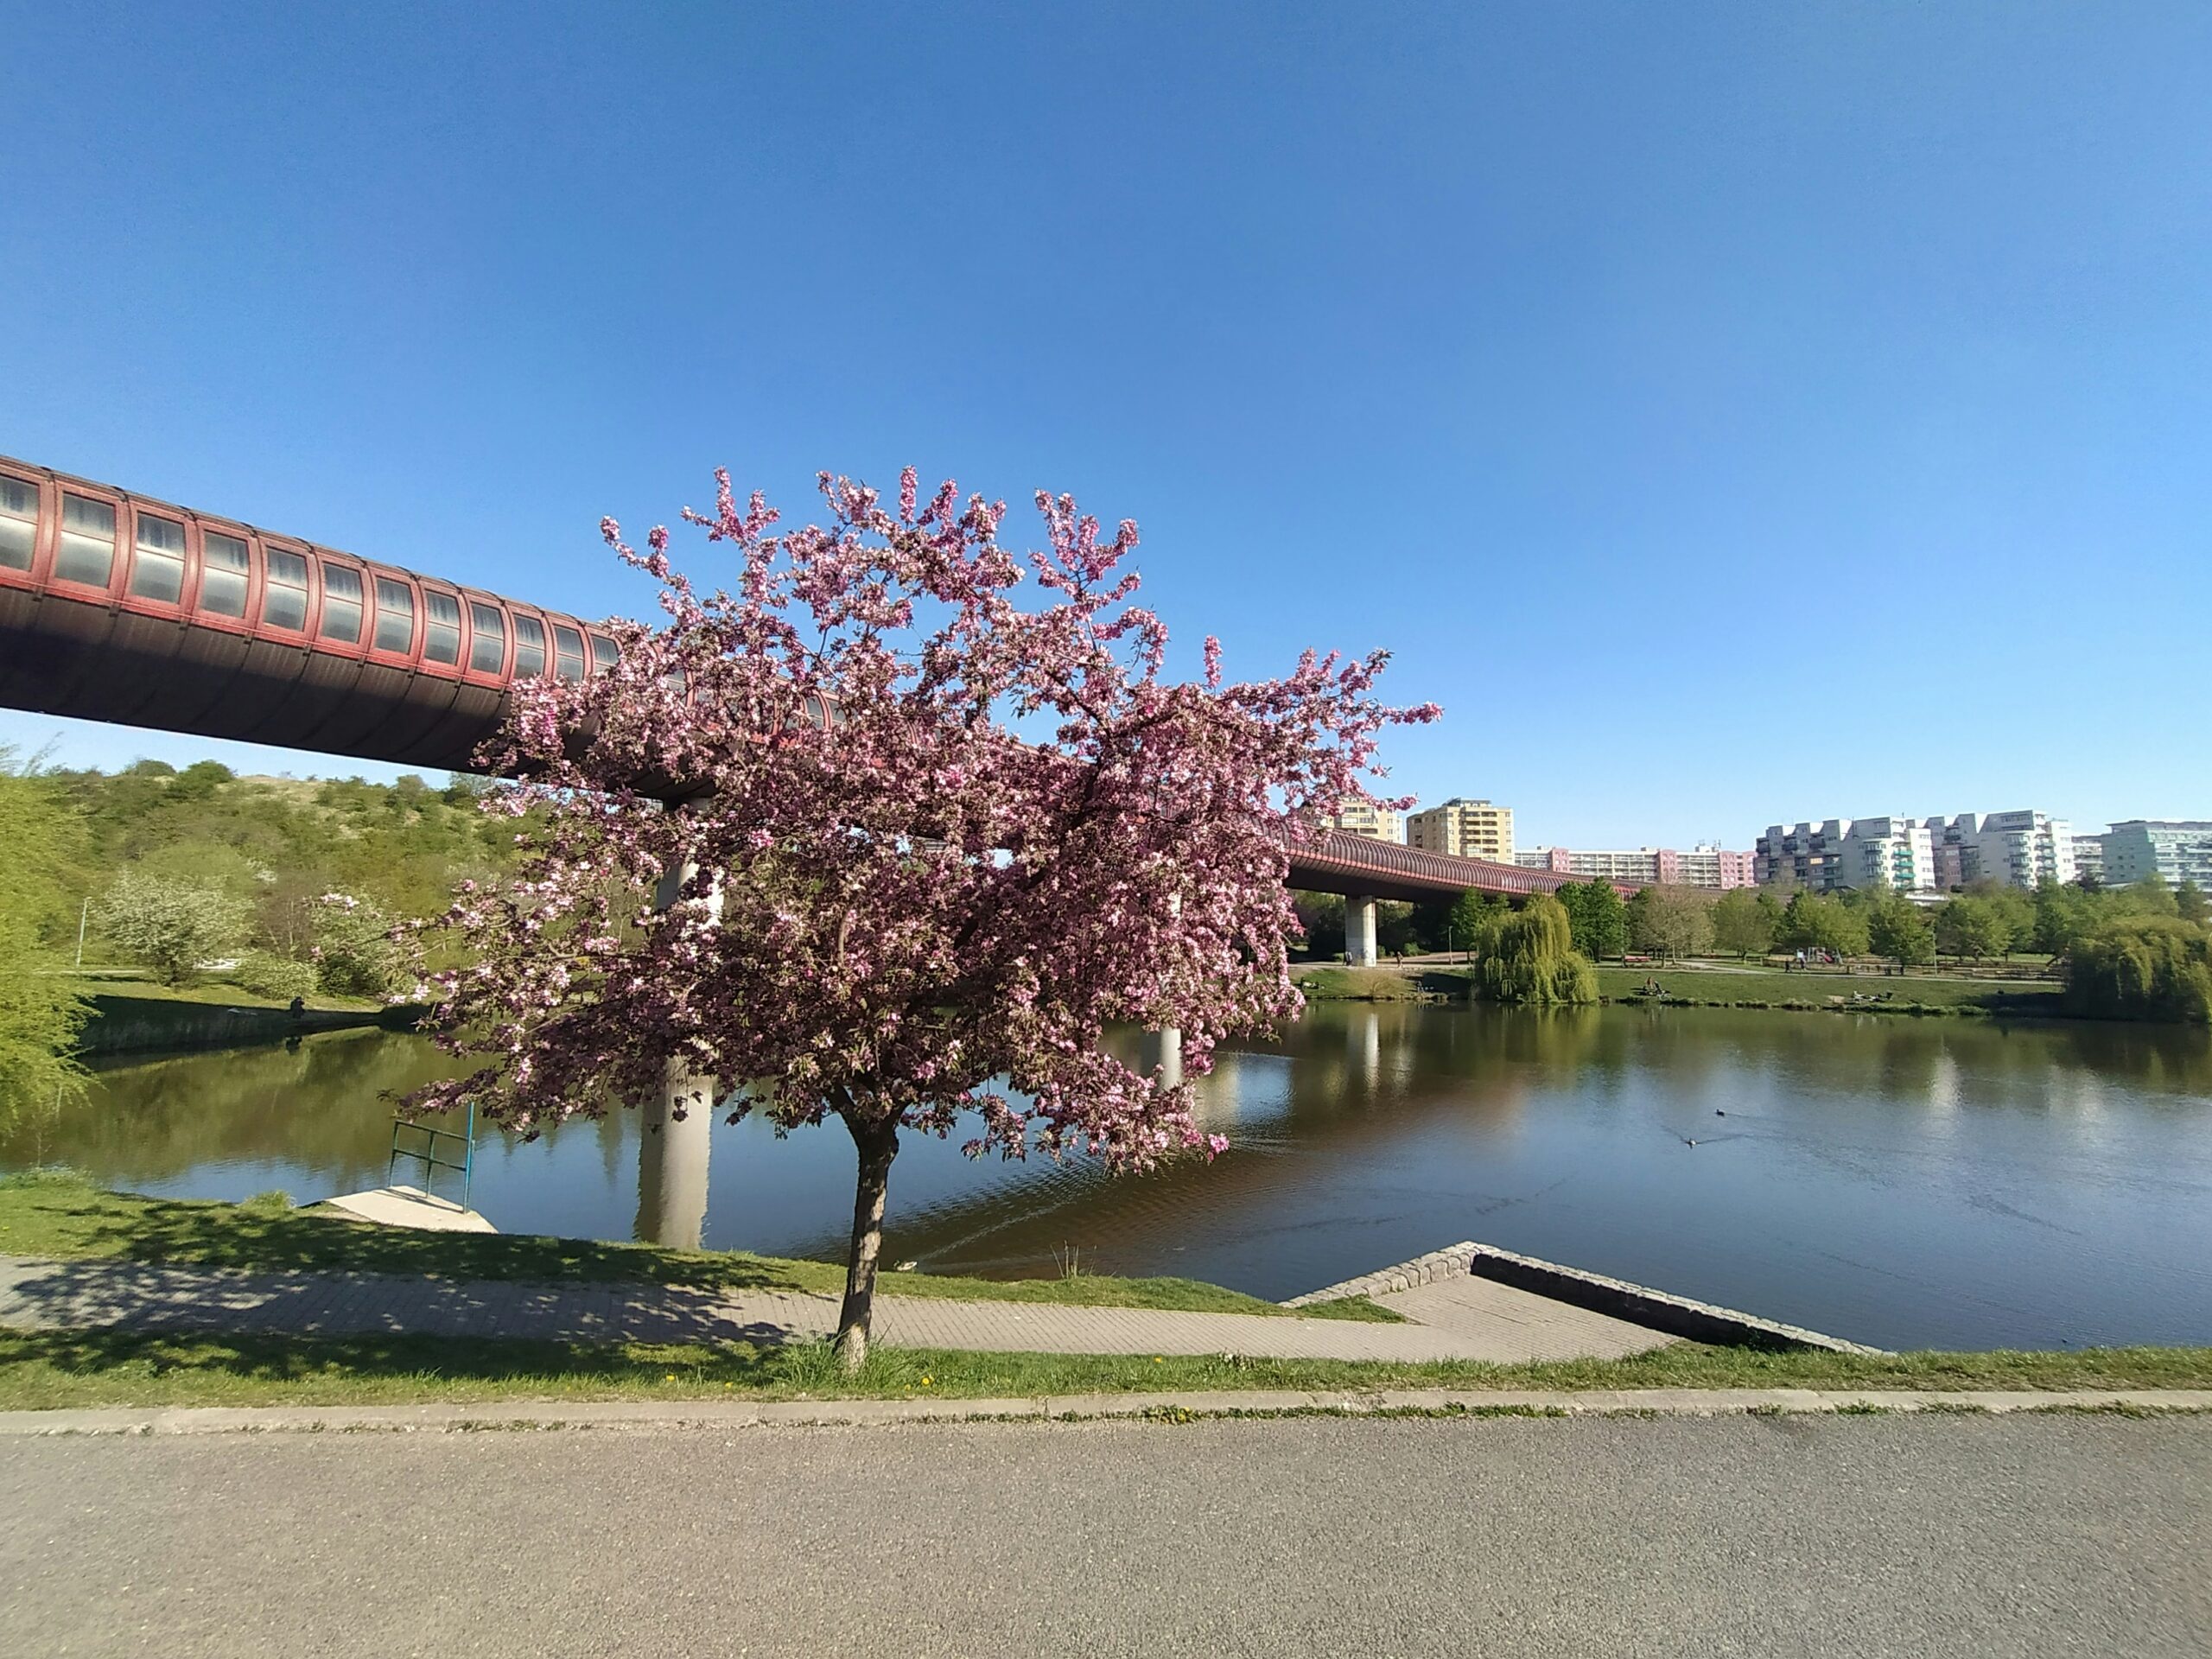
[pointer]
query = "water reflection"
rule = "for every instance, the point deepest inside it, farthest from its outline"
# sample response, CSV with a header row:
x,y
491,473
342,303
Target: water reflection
x,y
1910,1182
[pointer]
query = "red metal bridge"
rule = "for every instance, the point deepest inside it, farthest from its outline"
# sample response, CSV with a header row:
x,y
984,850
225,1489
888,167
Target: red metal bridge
x,y
116,606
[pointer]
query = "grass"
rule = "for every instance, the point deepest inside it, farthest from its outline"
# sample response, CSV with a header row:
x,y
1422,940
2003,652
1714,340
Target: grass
x,y
138,985
1332,984
1770,987
58,1213
1745,987
49,1370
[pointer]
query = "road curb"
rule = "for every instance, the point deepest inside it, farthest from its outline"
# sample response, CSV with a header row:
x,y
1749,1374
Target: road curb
x,y
742,1414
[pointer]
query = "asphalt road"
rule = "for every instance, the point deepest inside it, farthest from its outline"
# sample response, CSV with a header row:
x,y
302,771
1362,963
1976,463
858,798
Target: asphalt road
x,y
1849,1535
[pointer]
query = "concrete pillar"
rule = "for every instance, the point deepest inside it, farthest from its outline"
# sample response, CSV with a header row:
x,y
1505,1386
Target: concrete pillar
x,y
1359,929
1171,1054
672,1159
673,1150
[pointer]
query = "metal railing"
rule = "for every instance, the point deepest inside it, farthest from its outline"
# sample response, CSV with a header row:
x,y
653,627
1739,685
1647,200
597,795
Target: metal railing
x,y
428,1153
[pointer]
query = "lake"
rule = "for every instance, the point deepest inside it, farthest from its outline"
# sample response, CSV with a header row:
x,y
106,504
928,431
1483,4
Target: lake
x,y
1912,1183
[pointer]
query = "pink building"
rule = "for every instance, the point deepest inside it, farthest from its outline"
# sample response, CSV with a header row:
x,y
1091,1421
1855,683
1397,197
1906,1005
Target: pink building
x,y
1701,866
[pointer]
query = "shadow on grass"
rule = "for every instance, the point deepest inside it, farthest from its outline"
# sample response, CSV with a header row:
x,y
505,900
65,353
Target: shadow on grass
x,y
45,1369
59,1215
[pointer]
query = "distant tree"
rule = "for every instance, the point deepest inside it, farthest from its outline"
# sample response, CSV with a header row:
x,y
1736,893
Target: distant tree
x,y
2190,904
170,925
1597,915
1322,917
1530,958
354,951
1743,921
1972,925
200,780
1394,928
2142,968
1452,923
2063,915
40,1012
1818,921
1670,921
1898,930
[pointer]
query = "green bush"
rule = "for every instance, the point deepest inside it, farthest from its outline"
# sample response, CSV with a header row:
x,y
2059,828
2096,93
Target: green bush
x,y
266,973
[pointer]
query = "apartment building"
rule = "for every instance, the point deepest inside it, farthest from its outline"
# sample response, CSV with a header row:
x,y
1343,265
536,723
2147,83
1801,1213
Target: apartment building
x,y
1463,829
1365,818
1892,851
2090,859
2173,849
2014,849
1703,866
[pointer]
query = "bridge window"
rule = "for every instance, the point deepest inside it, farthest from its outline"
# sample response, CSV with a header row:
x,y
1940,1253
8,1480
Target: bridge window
x,y
567,652
18,523
222,573
157,571
441,627
342,603
487,649
86,551
395,616
285,596
604,654
530,648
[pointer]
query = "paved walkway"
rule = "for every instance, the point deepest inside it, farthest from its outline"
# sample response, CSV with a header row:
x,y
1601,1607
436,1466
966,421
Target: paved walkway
x,y
1474,1321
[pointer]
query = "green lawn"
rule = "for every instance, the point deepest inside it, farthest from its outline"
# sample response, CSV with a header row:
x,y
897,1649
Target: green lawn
x,y
48,1370
57,1213
1772,987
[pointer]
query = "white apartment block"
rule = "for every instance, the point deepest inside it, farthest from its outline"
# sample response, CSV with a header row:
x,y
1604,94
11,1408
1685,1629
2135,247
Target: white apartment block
x,y
1885,852
2014,849
1365,818
1463,829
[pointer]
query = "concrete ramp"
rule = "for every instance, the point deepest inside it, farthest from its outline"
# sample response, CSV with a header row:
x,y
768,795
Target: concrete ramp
x,y
410,1206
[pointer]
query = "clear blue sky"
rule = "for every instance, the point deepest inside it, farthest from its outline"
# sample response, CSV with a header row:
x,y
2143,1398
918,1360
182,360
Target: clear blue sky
x,y
1727,412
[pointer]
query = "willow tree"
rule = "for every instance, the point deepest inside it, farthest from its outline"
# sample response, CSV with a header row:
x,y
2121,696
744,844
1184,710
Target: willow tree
x,y
1530,958
926,818
41,1013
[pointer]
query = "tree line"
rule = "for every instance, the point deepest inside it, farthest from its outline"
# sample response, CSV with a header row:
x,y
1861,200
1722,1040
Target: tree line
x,y
2141,952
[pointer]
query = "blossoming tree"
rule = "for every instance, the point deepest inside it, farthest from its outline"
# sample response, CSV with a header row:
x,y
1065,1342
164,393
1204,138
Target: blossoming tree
x,y
891,831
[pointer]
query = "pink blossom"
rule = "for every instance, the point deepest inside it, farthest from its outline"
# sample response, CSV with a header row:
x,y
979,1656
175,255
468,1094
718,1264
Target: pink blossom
x,y
1011,833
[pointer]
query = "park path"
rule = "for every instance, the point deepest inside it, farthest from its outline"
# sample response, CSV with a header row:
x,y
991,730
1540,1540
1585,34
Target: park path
x,y
1473,1319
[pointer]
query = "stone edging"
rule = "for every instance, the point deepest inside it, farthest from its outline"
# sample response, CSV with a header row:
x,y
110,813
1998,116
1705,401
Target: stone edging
x,y
1447,1263
1637,1304
1677,1315
735,1414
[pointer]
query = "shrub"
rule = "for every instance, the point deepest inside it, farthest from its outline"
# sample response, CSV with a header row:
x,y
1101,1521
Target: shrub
x,y
266,973
354,955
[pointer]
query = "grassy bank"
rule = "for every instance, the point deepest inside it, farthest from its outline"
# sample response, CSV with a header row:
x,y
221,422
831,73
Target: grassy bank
x,y
1770,987
41,1370
1715,986
140,986
57,1213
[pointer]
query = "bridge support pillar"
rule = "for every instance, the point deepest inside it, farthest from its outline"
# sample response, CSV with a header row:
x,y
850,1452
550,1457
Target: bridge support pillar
x,y
675,1138
1359,929
1171,1054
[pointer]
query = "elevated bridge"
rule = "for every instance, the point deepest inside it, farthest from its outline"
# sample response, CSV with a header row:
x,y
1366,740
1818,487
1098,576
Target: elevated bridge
x,y
118,607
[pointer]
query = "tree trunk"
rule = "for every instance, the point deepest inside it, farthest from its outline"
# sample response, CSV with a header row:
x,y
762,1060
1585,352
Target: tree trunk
x,y
878,1145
